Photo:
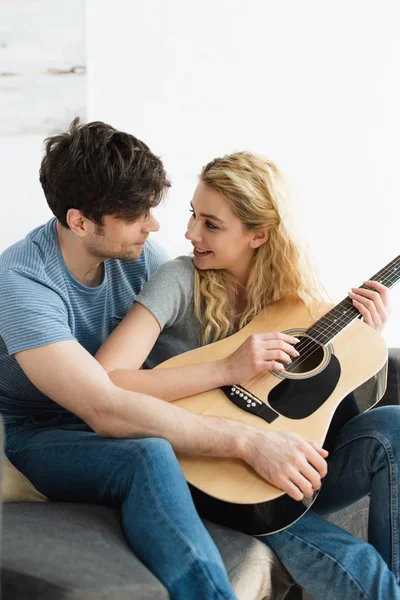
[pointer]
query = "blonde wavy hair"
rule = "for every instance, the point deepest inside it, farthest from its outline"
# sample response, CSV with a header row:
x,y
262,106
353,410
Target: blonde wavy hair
x,y
281,266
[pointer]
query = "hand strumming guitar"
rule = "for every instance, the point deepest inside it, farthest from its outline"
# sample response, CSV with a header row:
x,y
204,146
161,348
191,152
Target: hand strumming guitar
x,y
260,352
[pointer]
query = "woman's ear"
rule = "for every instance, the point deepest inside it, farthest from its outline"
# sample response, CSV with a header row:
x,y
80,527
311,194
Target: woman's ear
x,y
258,238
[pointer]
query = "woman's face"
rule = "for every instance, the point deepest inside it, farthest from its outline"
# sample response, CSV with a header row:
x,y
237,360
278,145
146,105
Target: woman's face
x,y
219,238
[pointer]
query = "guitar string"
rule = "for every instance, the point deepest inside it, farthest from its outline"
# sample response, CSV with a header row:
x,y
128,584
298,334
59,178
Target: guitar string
x,y
311,343
321,335
389,268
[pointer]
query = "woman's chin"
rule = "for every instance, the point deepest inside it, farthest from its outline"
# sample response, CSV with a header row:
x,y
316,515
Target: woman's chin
x,y
205,262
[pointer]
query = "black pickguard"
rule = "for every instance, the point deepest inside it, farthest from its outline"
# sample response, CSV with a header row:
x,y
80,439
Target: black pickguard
x,y
300,398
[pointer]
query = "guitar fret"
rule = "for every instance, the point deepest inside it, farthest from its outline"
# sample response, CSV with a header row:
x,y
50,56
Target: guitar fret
x,y
326,328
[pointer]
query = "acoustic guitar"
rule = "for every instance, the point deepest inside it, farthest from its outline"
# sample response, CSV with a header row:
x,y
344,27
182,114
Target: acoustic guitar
x,y
338,353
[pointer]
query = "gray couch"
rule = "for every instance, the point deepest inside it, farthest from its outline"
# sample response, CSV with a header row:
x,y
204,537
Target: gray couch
x,y
67,551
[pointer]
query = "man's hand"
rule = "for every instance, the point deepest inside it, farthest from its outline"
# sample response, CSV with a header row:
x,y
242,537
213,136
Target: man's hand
x,y
374,305
287,460
260,352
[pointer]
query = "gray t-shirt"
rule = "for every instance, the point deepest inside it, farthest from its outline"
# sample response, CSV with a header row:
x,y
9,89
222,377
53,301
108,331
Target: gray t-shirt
x,y
168,295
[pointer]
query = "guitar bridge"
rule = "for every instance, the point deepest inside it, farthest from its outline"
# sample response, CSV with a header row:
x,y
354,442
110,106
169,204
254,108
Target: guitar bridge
x,y
249,402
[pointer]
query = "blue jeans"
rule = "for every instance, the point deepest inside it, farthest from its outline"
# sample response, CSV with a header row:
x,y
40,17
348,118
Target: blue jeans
x,y
324,559
67,461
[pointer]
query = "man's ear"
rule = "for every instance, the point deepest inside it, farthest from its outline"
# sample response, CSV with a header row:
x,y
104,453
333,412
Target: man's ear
x,y
258,238
77,223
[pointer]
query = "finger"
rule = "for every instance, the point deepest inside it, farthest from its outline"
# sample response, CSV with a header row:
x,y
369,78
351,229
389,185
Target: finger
x,y
373,303
311,475
374,306
277,355
366,315
316,460
281,345
301,482
369,295
278,335
324,453
384,292
377,285
291,489
274,365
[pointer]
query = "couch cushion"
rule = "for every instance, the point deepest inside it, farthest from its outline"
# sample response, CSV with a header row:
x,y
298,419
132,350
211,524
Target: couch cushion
x,y
354,518
68,551
16,487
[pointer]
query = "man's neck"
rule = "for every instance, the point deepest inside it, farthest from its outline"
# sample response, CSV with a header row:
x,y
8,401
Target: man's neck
x,y
87,269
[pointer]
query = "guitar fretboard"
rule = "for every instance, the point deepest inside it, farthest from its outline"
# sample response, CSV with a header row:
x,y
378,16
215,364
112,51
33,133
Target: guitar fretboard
x,y
326,328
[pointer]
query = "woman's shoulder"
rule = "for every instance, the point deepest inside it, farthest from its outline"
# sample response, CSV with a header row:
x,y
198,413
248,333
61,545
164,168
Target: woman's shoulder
x,y
182,266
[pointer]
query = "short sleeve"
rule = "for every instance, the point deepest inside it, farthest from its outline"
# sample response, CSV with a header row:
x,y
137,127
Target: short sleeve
x,y
156,256
31,314
168,294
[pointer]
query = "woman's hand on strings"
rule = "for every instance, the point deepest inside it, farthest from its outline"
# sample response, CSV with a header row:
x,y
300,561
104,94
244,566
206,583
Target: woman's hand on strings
x,y
373,304
260,352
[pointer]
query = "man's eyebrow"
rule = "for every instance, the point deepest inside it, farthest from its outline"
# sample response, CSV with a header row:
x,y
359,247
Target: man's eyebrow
x,y
207,216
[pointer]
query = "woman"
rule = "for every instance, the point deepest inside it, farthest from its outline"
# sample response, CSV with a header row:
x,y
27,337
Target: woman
x,y
245,257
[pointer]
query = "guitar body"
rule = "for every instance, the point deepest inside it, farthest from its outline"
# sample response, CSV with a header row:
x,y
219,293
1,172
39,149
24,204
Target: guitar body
x,y
229,491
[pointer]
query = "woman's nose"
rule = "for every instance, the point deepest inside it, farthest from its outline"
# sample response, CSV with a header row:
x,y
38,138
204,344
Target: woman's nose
x,y
193,232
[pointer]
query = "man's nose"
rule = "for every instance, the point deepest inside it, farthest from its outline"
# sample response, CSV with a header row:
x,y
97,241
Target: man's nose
x,y
151,224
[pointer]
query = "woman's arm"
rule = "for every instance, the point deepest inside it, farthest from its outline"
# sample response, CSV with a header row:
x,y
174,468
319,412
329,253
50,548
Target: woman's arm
x,y
128,346
125,350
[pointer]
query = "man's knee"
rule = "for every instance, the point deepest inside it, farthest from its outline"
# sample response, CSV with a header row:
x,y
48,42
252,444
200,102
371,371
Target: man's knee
x,y
157,449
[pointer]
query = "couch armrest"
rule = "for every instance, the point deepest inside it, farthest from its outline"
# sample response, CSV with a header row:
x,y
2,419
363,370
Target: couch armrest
x,y
392,394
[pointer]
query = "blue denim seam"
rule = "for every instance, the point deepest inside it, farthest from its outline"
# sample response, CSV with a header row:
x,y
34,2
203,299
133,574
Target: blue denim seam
x,y
336,562
393,491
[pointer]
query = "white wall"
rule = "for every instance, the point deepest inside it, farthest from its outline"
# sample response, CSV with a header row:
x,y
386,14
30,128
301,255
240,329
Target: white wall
x,y
311,84
42,88
22,203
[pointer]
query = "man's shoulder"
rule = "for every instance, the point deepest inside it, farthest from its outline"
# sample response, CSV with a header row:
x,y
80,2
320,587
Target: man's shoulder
x,y
154,255
179,270
31,254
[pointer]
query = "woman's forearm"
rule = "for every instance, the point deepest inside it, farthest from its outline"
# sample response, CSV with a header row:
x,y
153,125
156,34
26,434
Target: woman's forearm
x,y
175,383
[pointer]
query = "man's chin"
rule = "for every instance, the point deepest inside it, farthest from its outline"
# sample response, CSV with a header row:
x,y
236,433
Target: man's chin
x,y
131,254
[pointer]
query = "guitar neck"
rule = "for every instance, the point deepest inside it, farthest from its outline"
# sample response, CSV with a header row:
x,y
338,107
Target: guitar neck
x,y
326,328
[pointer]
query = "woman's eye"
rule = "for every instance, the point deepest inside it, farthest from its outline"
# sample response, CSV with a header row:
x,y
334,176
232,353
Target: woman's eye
x,y
211,225
192,212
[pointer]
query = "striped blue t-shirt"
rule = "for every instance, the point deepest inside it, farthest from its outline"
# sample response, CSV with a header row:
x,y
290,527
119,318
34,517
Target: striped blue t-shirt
x,y
42,303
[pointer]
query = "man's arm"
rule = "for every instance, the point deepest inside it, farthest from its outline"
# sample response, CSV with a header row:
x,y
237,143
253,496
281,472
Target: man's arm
x,y
69,375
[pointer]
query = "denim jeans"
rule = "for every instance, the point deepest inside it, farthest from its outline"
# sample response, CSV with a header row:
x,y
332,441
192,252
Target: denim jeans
x,y
324,559
67,461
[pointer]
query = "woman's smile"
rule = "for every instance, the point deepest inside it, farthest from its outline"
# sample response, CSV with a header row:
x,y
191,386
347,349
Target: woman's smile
x,y
200,252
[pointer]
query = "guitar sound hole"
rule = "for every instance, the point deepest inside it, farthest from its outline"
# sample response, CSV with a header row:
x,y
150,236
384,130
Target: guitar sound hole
x,y
311,356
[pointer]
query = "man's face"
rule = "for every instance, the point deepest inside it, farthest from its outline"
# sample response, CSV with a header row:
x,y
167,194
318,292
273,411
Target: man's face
x,y
120,239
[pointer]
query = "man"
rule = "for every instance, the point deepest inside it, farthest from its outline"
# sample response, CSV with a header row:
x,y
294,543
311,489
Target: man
x,y
63,289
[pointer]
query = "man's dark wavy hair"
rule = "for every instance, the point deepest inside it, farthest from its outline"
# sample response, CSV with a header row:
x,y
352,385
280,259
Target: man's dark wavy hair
x,y
100,171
